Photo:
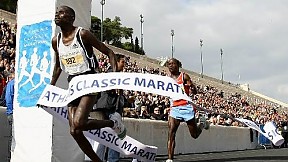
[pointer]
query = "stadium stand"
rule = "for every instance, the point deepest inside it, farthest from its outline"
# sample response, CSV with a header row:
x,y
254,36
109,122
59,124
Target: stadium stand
x,y
226,97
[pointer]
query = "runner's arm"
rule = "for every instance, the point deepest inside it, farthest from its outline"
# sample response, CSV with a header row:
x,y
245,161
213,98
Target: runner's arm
x,y
89,38
188,81
57,69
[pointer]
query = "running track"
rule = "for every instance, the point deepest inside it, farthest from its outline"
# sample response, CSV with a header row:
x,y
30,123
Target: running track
x,y
259,155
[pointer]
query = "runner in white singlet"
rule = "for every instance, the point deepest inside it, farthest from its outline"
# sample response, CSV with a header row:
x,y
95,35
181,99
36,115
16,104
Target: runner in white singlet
x,y
74,55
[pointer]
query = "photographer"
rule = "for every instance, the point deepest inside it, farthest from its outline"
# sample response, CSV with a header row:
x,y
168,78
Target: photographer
x,y
109,102
284,133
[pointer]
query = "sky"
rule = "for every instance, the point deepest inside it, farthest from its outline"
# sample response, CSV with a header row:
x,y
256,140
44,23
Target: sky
x,y
252,33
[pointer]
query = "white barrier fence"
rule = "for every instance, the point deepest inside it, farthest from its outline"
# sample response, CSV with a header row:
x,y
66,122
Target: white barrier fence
x,y
150,132
217,138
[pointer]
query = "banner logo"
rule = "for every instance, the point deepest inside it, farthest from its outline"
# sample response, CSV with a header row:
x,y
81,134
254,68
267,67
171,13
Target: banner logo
x,y
34,62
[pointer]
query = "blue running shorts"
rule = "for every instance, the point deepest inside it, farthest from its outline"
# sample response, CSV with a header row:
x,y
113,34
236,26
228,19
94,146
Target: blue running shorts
x,y
185,112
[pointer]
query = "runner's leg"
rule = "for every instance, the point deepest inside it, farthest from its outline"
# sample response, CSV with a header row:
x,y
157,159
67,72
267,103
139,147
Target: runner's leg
x,y
173,125
194,130
79,122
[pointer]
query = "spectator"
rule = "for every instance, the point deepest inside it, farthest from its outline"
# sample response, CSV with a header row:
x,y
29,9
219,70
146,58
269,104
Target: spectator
x,y
144,113
9,96
208,96
109,102
156,115
284,133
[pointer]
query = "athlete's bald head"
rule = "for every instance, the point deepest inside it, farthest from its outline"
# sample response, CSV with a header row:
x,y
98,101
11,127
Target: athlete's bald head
x,y
64,14
69,10
176,61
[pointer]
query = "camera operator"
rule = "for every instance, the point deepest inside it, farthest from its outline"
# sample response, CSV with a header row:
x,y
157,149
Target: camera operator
x,y
284,133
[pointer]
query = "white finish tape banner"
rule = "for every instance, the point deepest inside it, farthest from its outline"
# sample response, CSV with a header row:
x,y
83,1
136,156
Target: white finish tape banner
x,y
106,136
84,84
270,131
272,134
56,99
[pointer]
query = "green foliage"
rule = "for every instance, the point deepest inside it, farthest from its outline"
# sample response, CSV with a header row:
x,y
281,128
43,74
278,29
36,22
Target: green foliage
x,y
128,46
96,26
137,47
114,33
9,5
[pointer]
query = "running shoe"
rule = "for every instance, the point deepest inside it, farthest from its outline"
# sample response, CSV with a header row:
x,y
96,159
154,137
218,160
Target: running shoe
x,y
169,160
118,127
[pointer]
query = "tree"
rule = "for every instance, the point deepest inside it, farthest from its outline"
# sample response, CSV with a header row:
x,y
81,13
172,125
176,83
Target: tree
x,y
132,44
127,32
96,26
9,5
114,33
137,47
128,46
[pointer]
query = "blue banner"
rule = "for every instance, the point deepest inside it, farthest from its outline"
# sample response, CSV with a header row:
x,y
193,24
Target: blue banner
x,y
34,62
262,139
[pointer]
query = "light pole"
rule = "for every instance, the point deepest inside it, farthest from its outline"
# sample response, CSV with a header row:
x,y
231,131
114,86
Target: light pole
x,y
141,26
221,55
102,9
172,45
201,57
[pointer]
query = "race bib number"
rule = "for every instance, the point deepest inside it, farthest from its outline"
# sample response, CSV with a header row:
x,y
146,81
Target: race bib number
x,y
72,60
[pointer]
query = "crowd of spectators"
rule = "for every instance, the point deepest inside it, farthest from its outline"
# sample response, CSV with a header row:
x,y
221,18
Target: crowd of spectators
x,y
7,52
151,106
222,106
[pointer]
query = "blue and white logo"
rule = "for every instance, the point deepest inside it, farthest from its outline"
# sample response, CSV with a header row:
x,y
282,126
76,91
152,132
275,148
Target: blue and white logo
x,y
34,62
